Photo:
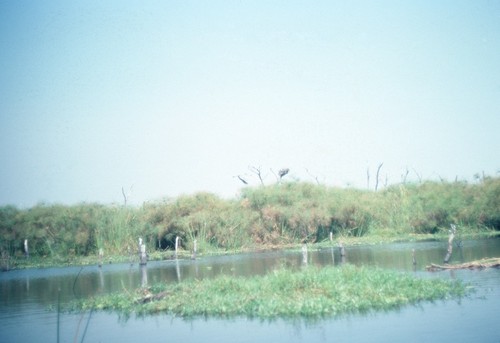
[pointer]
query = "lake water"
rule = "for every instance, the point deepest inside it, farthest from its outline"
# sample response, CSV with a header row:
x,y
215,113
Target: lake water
x,y
28,295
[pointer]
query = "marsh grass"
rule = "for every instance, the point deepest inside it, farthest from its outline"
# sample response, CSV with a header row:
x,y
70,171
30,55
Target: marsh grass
x,y
281,215
309,292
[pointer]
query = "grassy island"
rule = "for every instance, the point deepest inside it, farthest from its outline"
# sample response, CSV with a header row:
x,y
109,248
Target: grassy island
x,y
284,293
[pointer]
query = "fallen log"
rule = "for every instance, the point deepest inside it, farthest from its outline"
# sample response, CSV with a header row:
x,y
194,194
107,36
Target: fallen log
x,y
149,297
478,264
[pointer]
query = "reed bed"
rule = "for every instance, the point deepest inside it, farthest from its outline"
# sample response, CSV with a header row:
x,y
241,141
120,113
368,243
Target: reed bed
x,y
280,215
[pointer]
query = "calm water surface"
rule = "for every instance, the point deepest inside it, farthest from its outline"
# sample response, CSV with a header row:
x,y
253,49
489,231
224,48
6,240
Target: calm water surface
x,y
27,295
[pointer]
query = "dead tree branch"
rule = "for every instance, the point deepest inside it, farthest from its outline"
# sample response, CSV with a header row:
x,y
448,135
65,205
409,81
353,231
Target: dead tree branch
x,y
258,172
313,176
124,197
405,176
377,176
418,175
368,177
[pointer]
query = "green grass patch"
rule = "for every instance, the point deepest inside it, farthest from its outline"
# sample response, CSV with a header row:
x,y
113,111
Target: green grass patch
x,y
309,292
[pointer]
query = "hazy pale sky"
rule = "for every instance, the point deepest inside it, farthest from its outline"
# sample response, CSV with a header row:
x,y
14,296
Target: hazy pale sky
x,y
174,97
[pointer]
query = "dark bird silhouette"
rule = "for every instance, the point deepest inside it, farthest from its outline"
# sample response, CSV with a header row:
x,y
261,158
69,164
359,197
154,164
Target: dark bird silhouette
x,y
242,180
283,172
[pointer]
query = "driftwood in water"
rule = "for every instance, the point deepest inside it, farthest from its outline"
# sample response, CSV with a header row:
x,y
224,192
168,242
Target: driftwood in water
x,y
479,264
148,297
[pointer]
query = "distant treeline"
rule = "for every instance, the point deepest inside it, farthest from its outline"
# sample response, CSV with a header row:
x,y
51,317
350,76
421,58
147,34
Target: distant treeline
x,y
286,213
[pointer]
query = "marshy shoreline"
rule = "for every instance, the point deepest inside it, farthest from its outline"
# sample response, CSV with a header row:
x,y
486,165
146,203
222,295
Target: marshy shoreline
x,y
280,216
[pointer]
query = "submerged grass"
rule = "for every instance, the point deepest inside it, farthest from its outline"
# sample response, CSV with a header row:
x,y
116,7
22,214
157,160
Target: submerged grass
x,y
310,292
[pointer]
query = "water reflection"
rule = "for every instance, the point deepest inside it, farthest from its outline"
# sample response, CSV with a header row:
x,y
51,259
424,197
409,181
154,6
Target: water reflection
x,y
177,270
101,279
304,255
144,275
26,294
40,285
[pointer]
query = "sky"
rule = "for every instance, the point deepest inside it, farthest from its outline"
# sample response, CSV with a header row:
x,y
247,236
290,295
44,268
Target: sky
x,y
165,98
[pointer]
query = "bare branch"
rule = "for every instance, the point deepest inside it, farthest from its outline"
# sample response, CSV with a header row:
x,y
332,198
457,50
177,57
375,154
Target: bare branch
x,y
368,177
258,172
377,176
418,175
313,176
405,176
124,197
275,175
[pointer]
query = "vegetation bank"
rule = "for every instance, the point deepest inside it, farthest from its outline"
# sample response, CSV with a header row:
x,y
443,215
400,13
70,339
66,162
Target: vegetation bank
x,y
285,214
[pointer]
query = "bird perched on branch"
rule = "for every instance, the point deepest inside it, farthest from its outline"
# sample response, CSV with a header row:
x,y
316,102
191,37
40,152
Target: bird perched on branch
x,y
283,172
